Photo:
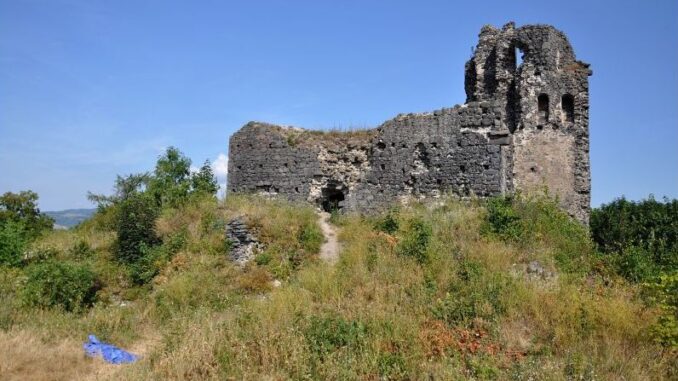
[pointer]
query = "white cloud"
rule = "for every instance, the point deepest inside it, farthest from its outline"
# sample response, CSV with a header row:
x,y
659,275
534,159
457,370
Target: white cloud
x,y
220,167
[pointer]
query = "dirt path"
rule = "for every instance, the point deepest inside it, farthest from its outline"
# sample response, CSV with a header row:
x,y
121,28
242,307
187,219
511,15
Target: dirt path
x,y
329,251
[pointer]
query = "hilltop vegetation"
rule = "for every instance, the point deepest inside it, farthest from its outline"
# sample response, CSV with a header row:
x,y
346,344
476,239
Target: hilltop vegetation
x,y
509,288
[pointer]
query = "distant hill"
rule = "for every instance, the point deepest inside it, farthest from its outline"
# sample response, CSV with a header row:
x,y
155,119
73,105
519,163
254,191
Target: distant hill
x,y
64,219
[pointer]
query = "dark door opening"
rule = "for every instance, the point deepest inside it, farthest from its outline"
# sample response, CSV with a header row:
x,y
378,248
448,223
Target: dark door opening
x,y
332,197
543,109
567,104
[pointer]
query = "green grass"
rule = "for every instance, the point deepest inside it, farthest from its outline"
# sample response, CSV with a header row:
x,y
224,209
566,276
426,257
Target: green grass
x,y
422,292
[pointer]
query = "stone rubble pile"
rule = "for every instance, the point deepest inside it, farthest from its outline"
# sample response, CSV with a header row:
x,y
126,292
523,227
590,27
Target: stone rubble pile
x,y
244,243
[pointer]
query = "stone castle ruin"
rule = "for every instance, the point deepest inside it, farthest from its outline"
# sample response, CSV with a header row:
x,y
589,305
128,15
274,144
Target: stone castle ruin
x,y
524,127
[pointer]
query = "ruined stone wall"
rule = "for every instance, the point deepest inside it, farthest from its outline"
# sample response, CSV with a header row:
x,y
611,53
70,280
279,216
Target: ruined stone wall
x,y
423,155
524,127
418,155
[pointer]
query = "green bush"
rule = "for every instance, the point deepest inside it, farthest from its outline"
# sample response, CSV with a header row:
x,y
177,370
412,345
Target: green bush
x,y
22,208
545,223
12,243
664,292
148,265
649,223
389,223
59,284
642,237
416,240
530,222
154,258
634,264
502,218
136,228
326,334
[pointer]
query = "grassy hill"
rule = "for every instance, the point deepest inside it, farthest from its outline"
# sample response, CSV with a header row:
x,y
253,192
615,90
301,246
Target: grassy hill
x,y
440,291
70,217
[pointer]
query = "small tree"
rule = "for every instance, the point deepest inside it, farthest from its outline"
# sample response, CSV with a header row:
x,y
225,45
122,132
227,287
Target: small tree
x,y
204,181
170,183
136,227
12,243
125,186
21,208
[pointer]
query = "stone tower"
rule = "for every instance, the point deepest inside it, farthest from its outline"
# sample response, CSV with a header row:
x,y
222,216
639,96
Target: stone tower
x,y
524,127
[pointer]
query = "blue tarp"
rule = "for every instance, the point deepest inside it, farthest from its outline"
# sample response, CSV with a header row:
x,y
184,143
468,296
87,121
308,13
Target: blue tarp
x,y
110,353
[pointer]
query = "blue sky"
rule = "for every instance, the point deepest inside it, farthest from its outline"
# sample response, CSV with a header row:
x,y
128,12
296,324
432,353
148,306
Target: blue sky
x,y
90,89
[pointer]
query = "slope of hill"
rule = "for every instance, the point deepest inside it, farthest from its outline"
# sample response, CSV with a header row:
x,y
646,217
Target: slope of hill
x,y
70,217
451,290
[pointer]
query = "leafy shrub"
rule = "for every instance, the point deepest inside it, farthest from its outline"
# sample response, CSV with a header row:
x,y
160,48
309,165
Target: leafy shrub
x,y
642,236
154,258
502,218
148,265
12,243
545,223
539,221
416,240
59,284
634,264
326,334
648,223
136,228
388,224
664,292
